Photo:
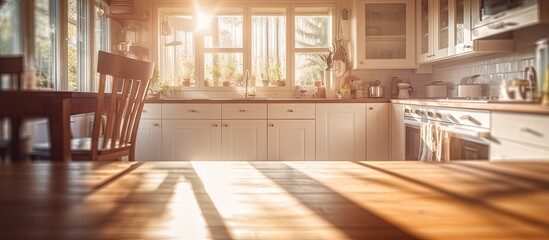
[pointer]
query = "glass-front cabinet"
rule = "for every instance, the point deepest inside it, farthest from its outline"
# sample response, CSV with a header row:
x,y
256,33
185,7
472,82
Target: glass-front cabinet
x,y
434,18
384,36
462,41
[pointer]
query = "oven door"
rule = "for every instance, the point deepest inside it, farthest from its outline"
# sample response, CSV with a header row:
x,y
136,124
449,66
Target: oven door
x,y
466,143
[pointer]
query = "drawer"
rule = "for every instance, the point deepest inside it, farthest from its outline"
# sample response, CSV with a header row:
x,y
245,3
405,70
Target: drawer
x,y
152,111
244,111
291,111
191,111
509,150
527,128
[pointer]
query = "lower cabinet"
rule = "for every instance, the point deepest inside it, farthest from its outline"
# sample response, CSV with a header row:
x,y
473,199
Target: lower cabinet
x,y
377,131
191,140
341,131
291,140
244,140
397,132
149,140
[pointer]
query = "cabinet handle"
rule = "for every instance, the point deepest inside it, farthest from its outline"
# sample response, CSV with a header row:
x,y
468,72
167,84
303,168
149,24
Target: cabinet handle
x,y
242,110
214,125
371,108
225,125
531,131
290,110
192,110
144,110
271,125
156,125
467,46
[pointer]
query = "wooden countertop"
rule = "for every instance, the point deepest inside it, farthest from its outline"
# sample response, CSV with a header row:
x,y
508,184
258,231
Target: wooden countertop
x,y
268,100
275,200
518,107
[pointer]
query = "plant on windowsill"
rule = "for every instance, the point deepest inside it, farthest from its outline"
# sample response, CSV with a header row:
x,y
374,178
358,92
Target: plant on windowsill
x,y
279,77
230,69
265,74
215,72
163,88
188,71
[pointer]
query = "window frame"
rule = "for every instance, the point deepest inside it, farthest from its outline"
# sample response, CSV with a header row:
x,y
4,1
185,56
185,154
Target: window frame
x,y
247,36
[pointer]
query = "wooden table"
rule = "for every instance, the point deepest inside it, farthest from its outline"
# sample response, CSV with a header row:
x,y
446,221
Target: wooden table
x,y
56,106
274,200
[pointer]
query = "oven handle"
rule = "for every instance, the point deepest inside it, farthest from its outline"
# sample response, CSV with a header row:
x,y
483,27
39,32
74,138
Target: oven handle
x,y
485,134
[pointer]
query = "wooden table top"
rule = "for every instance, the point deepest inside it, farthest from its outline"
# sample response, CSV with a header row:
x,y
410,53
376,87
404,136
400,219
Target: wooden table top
x,y
274,200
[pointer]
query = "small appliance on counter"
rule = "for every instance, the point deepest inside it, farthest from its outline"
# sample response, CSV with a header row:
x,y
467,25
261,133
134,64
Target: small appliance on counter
x,y
375,90
469,87
404,90
436,89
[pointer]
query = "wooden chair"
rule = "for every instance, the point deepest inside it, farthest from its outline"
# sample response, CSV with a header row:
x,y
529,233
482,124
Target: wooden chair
x,y
11,69
120,113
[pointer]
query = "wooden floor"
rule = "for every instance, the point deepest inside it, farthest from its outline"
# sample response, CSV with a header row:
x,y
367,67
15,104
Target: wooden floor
x,y
274,200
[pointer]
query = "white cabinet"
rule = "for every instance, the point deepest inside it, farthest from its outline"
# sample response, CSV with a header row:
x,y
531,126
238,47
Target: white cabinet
x,y
291,132
377,131
433,21
444,32
384,34
519,136
341,131
397,130
191,140
148,146
191,131
244,132
291,140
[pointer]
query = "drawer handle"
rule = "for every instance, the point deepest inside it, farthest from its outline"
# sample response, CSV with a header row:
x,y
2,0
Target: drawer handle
x,y
242,110
192,110
225,125
290,110
214,125
271,125
144,110
531,131
371,108
156,125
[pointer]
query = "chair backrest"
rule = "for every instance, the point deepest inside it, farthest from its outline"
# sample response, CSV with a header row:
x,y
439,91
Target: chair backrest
x,y
122,108
11,68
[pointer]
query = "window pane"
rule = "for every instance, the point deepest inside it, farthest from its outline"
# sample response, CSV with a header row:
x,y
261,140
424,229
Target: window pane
x,y
223,69
44,45
268,49
312,31
72,48
9,27
309,67
177,51
101,32
224,32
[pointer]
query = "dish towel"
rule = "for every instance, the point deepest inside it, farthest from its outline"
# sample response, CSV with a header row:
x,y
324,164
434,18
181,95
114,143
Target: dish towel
x,y
435,144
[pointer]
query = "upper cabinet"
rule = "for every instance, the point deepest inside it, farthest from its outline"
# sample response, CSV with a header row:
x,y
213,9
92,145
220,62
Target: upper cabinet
x,y
434,32
444,30
384,35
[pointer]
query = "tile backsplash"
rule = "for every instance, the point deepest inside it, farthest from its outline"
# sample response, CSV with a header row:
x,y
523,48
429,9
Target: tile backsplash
x,y
493,69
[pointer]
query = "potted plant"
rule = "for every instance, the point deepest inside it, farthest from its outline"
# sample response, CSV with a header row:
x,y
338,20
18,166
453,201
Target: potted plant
x,y
215,72
266,75
163,88
230,71
153,82
278,76
188,71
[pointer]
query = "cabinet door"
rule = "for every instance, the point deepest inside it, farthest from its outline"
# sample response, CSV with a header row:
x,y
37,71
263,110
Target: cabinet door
x,y
377,131
442,33
425,30
341,131
385,34
397,133
191,140
244,140
149,140
462,40
291,140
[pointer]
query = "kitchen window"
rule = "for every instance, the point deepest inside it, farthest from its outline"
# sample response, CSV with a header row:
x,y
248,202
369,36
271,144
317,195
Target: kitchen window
x,y
9,28
215,46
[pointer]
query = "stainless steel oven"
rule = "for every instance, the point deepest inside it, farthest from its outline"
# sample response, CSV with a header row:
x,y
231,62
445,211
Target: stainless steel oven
x,y
497,16
467,131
